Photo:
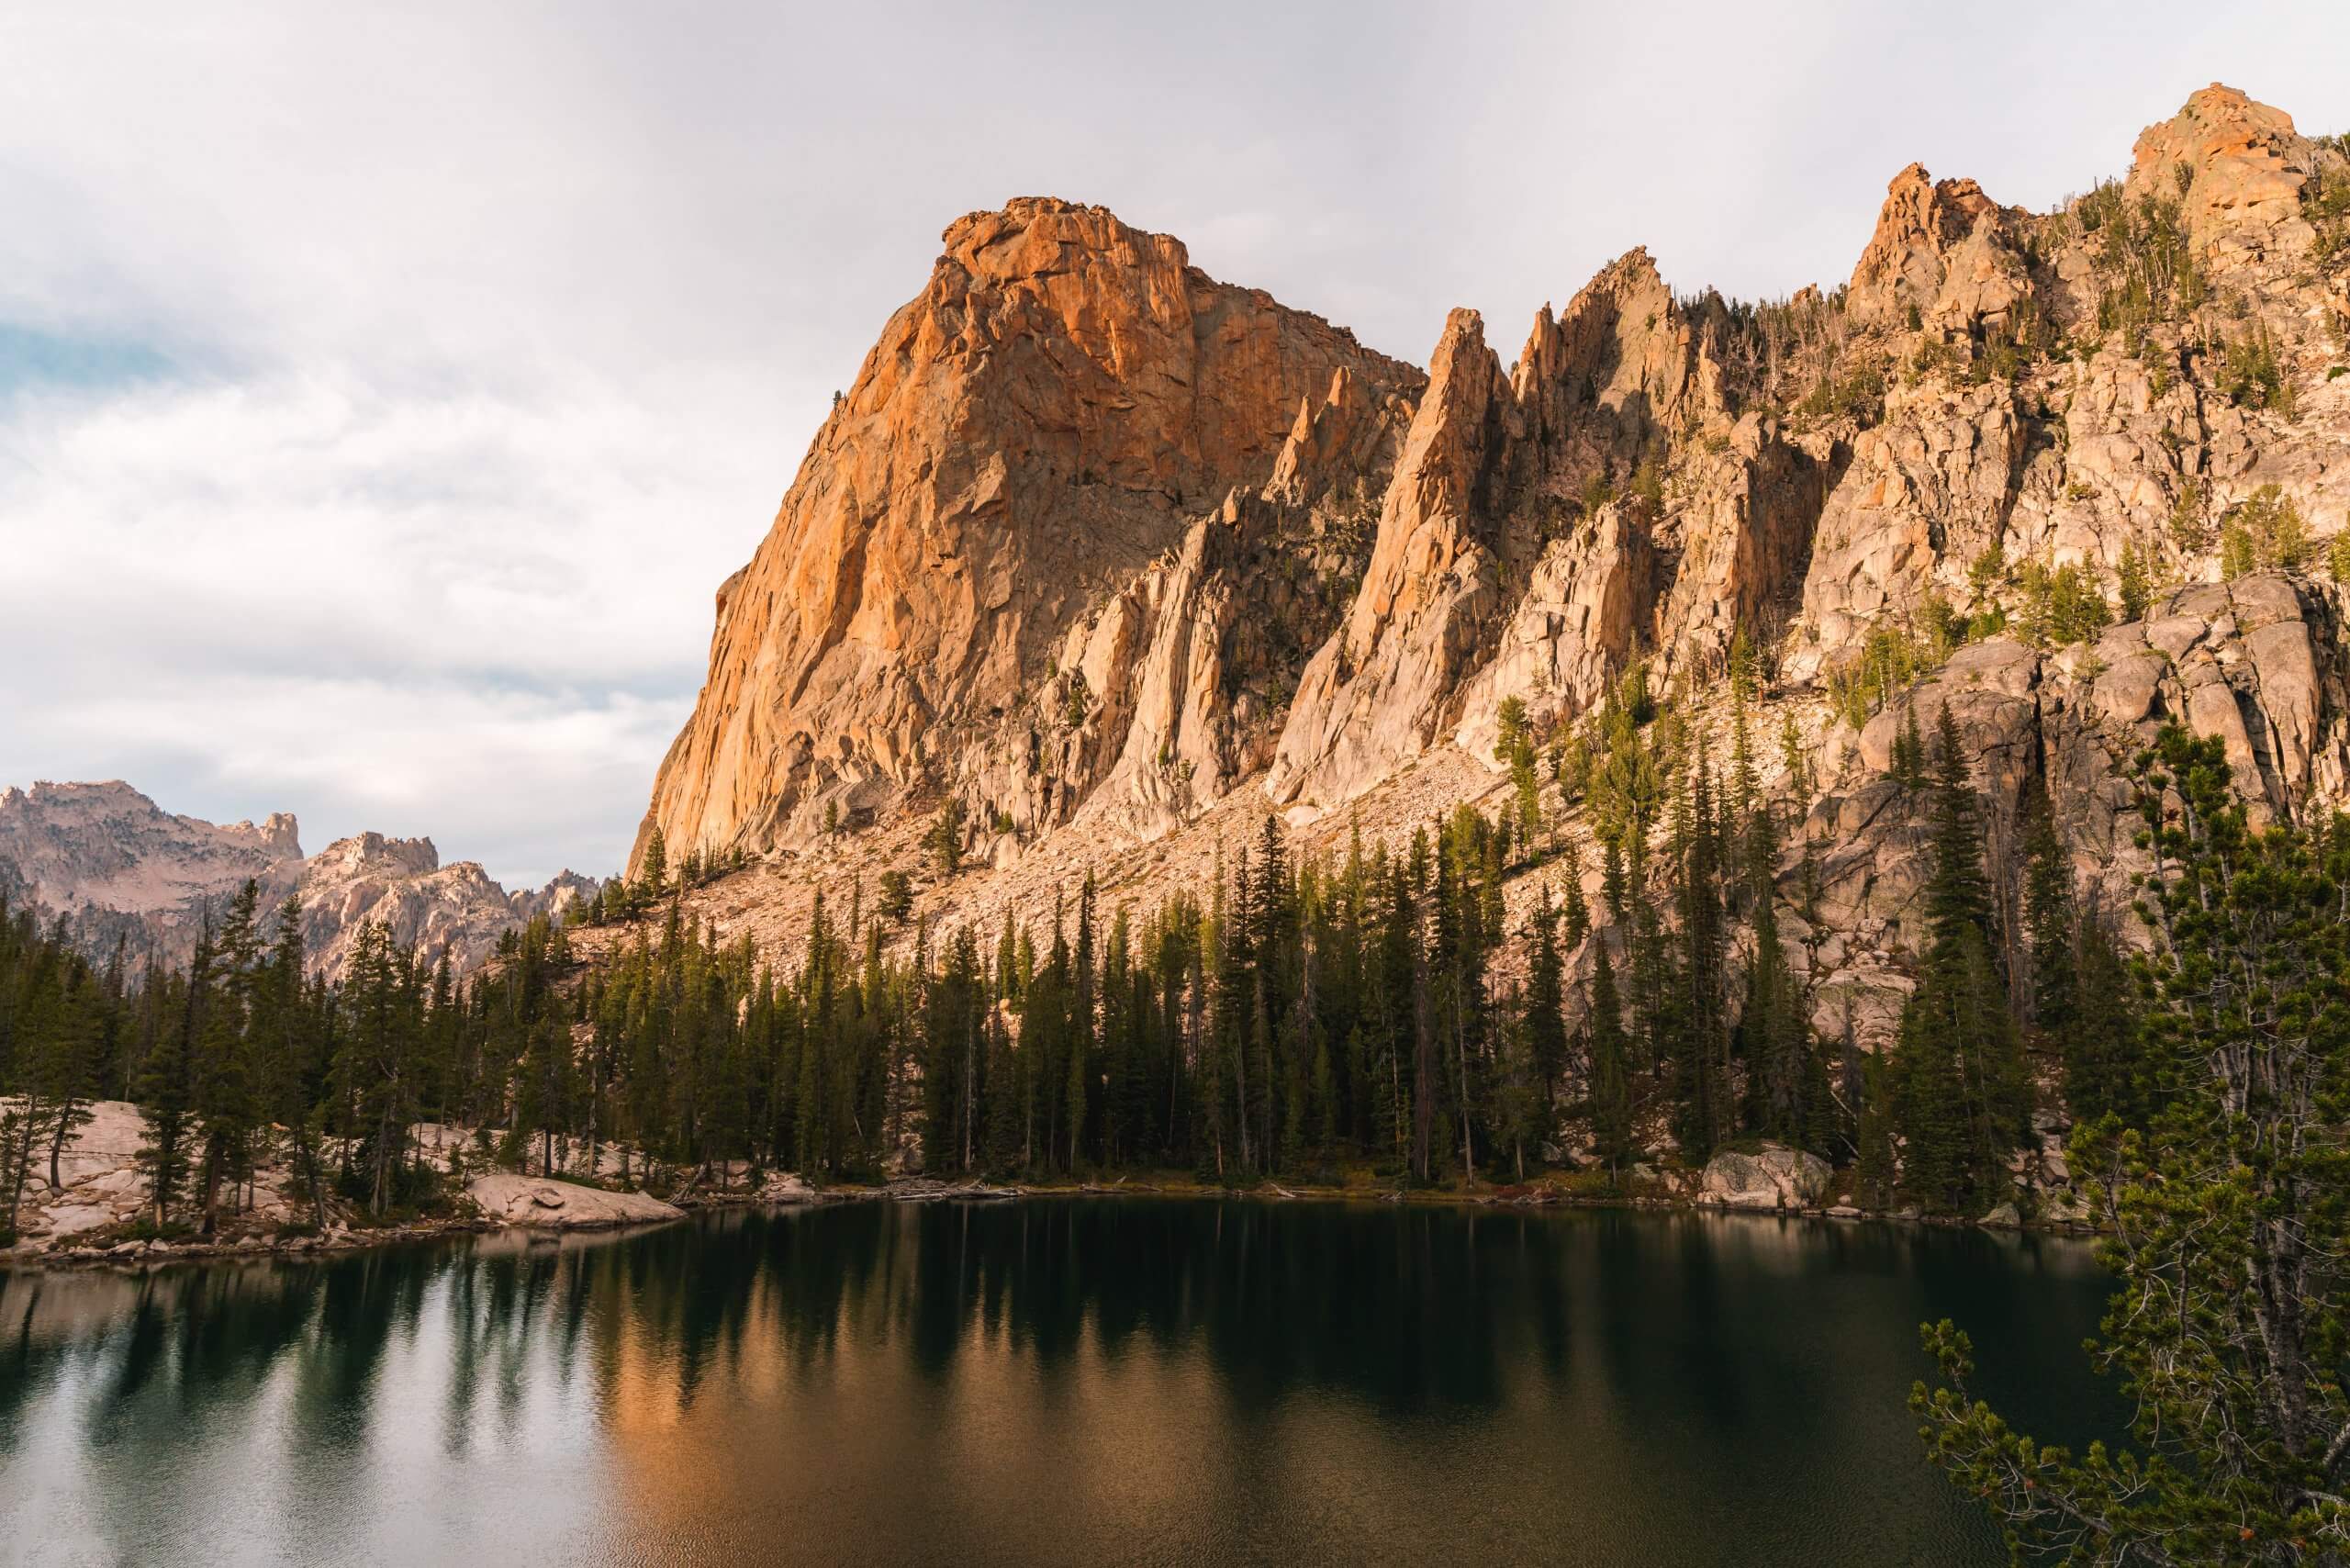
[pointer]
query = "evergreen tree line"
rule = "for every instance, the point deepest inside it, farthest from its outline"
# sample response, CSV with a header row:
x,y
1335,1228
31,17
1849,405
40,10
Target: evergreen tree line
x,y
1375,1009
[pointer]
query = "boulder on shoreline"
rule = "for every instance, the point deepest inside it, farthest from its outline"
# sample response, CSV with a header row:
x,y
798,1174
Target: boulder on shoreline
x,y
1776,1178
547,1203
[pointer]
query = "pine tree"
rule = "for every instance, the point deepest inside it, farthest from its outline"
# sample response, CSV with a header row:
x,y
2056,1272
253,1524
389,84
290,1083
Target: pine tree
x,y
1611,1094
1874,1178
1701,1049
1796,757
1613,881
1545,1017
944,840
1787,1084
167,1088
652,870
70,1052
1528,795
1082,1026
2106,1072
1574,913
2048,918
1908,767
2226,1221
2137,582
225,1103
1961,1093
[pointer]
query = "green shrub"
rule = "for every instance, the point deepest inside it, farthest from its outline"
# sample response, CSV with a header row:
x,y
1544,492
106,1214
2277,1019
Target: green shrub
x,y
1858,394
2269,530
1647,488
2190,526
2063,606
2235,551
1892,657
2251,375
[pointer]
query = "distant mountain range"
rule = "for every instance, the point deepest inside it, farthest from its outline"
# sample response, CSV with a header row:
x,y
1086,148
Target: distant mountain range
x,y
117,866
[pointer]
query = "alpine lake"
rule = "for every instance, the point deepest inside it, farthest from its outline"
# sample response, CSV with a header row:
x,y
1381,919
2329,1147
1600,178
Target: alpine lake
x,y
1064,1380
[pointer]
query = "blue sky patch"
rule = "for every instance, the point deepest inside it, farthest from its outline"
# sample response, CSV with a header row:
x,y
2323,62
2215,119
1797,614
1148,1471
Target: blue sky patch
x,y
30,358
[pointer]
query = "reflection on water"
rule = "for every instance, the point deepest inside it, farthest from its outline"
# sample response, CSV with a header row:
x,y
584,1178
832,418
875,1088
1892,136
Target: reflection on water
x,y
1071,1381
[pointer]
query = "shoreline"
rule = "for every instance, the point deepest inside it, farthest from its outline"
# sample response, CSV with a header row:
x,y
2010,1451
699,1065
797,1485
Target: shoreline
x,y
343,1240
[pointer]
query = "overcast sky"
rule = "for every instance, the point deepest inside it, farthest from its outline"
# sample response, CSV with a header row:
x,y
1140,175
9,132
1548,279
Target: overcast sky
x,y
383,398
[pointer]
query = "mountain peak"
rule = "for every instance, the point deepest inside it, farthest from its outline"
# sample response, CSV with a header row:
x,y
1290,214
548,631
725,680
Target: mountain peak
x,y
2237,168
1031,431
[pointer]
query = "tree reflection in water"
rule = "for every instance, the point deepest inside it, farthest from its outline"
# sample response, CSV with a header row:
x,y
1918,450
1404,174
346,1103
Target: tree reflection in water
x,y
1063,1380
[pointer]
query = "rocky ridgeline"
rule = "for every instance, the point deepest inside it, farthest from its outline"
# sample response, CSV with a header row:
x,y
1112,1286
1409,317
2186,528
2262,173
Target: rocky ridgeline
x,y
1097,545
117,866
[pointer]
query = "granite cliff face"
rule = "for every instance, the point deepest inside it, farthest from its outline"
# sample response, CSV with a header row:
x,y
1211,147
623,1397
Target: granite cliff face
x,y
1122,558
117,866
1034,435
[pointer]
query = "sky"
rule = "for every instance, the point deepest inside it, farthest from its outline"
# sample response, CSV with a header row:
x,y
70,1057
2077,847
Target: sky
x,y
383,396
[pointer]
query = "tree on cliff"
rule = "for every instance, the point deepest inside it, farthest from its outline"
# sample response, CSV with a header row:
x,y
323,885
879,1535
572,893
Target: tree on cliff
x,y
1960,1095
653,875
1611,1091
2049,919
2229,1220
944,839
1786,1080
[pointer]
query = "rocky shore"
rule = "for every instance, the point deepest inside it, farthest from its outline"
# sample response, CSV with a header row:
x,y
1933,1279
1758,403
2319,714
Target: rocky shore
x,y
98,1213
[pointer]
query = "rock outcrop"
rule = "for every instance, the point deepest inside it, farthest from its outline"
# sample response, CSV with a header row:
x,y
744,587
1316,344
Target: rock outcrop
x,y
2237,169
1775,1177
2259,663
1498,519
1377,692
1925,493
542,1202
454,911
1922,233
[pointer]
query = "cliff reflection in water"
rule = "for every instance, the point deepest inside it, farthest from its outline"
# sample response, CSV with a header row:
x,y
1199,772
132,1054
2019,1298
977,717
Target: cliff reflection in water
x,y
1074,1379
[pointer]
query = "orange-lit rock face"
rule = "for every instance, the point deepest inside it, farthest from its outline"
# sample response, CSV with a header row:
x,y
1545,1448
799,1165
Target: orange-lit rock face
x,y
1920,226
2236,168
1028,435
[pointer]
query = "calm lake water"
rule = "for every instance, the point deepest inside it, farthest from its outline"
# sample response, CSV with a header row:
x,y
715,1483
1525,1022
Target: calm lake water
x,y
1072,1380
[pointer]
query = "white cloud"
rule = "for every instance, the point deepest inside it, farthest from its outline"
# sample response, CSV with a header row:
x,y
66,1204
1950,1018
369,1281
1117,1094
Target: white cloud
x,y
463,615
459,352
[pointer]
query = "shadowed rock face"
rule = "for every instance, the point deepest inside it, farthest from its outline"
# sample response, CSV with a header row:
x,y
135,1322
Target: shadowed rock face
x,y
1375,693
1033,432
1491,464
